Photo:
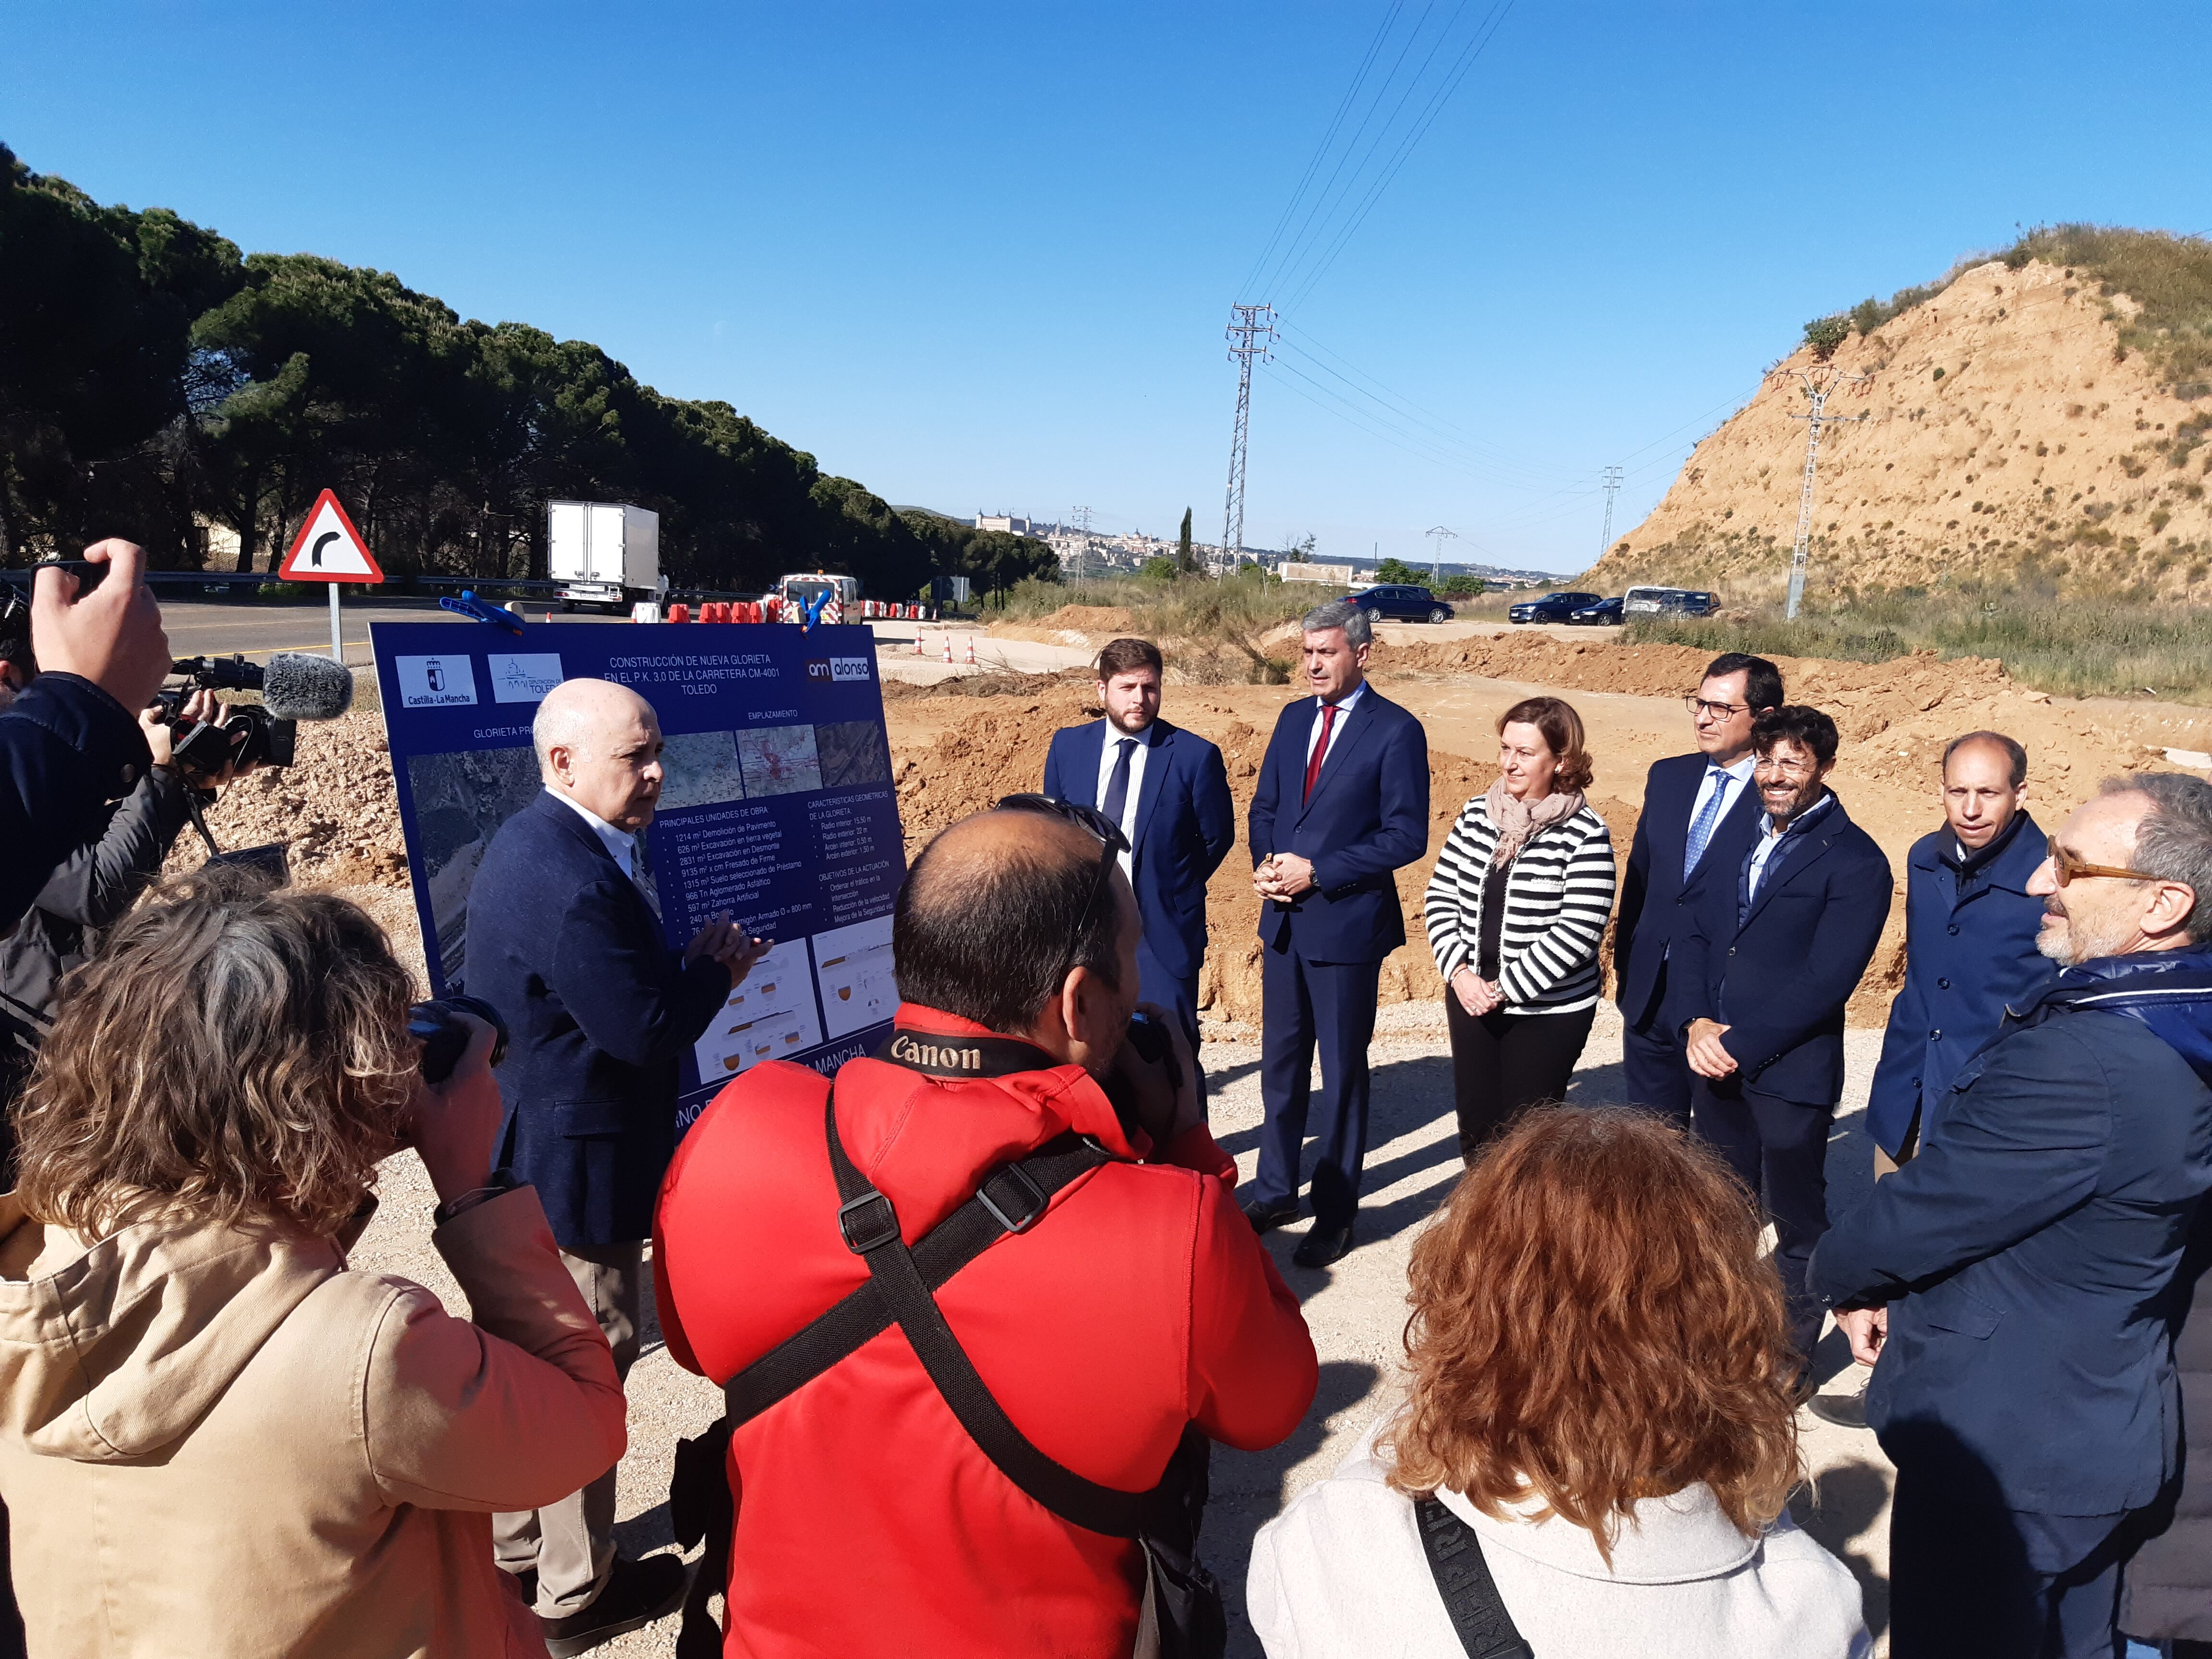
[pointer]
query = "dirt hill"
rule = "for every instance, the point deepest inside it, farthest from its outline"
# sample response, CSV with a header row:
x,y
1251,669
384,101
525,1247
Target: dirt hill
x,y
2023,423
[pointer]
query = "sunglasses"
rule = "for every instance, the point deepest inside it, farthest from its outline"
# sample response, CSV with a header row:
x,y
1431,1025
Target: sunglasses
x,y
2065,866
1113,843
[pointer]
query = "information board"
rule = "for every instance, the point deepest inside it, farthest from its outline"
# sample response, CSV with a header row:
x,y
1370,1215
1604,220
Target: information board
x,y
777,806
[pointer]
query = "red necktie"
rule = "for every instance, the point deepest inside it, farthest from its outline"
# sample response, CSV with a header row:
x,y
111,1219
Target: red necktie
x,y
1321,749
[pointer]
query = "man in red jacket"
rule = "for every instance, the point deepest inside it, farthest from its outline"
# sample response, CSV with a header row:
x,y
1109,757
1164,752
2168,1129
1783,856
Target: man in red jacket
x,y
1140,1302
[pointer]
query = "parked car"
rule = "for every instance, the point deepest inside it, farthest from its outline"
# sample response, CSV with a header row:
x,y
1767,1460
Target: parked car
x,y
1552,608
1604,613
1667,602
1393,603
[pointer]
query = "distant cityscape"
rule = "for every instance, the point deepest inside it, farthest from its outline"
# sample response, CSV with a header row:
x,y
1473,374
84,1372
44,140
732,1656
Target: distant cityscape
x,y
1096,553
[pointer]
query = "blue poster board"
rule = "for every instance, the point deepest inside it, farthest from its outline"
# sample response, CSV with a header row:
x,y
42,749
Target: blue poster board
x,y
777,806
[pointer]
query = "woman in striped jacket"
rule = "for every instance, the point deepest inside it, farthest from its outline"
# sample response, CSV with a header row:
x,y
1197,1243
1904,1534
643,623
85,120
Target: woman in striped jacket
x,y
1516,910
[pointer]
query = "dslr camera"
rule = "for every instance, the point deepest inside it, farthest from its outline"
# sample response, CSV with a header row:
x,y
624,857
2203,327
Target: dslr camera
x,y
445,1039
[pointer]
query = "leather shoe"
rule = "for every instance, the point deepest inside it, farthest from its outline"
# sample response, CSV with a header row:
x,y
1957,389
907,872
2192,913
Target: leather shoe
x,y
1323,1244
636,1593
1266,1218
1845,1411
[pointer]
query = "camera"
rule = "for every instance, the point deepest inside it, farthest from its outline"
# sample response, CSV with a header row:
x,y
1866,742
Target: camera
x,y
252,736
445,1039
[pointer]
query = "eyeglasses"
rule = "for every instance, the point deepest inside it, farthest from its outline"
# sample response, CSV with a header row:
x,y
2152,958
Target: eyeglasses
x,y
1112,844
1719,711
1795,771
2065,866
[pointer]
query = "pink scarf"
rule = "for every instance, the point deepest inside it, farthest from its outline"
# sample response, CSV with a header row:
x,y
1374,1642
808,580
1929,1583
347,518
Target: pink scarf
x,y
1518,822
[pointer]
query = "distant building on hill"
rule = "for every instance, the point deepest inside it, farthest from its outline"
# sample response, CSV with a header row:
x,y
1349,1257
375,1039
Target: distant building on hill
x,y
1004,521
1336,575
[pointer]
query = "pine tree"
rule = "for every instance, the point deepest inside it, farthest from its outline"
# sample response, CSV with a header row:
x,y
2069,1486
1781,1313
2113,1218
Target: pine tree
x,y
1185,561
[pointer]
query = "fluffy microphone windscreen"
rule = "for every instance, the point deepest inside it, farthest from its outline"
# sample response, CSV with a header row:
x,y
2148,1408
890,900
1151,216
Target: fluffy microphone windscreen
x,y
300,687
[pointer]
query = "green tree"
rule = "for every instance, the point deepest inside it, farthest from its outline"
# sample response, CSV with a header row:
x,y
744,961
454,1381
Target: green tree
x,y
1398,573
1825,334
1185,561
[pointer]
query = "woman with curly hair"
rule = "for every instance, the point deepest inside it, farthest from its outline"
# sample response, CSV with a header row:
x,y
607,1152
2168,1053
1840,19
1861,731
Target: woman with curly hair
x,y
1601,1406
215,1439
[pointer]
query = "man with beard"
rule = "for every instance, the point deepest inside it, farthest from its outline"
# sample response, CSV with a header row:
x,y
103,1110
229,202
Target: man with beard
x,y
1766,969
1167,792
2014,1285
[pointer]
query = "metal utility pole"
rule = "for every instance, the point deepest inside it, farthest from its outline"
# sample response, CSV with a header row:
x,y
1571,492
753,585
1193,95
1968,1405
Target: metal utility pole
x,y
1818,384
1437,535
1251,332
1083,559
1612,484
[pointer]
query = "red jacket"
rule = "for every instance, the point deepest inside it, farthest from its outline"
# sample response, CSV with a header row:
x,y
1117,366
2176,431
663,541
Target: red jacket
x,y
868,1522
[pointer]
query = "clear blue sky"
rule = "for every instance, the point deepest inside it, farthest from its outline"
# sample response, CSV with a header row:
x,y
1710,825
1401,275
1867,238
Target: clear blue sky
x,y
980,256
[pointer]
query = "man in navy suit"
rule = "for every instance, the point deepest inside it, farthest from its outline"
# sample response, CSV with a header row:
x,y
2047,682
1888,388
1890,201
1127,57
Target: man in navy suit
x,y
1699,815
566,942
1343,802
1765,969
2014,1285
1169,791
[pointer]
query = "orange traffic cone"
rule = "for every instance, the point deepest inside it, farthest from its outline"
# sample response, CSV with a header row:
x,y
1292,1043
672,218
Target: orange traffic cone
x,y
918,651
971,650
948,648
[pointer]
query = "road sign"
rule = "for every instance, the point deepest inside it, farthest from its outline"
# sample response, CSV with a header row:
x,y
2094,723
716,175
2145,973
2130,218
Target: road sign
x,y
328,549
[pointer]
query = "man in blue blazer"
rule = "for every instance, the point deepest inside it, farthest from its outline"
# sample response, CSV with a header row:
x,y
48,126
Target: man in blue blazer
x,y
566,942
1342,804
1169,791
1766,968
2014,1285
1700,814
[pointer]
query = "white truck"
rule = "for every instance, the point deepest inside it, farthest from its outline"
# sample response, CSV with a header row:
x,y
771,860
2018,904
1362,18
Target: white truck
x,y
801,589
602,553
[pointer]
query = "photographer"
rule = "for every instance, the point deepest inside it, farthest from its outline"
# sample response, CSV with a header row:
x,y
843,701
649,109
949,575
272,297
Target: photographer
x,y
216,1438
71,742
94,886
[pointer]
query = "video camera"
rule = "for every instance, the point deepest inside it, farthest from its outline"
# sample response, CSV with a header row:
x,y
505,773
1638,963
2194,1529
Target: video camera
x,y
295,687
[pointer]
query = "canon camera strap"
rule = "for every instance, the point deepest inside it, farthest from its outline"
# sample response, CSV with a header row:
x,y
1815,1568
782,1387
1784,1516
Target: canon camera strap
x,y
1478,1614
936,1054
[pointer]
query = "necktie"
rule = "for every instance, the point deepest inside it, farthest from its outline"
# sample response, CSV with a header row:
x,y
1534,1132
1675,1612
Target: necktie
x,y
1320,750
1702,831
1117,786
641,878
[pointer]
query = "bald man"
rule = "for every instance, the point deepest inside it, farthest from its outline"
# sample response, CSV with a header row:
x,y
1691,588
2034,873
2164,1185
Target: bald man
x,y
1134,1315
565,940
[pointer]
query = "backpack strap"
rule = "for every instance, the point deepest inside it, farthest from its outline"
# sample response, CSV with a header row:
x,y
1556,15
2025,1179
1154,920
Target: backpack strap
x,y
1478,1614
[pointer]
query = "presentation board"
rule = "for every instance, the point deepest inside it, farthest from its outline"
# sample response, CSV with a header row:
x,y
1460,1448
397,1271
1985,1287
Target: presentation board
x,y
777,806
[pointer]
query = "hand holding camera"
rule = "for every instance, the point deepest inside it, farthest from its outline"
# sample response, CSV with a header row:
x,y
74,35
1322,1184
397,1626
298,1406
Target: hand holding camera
x,y
454,1117
1156,1075
107,632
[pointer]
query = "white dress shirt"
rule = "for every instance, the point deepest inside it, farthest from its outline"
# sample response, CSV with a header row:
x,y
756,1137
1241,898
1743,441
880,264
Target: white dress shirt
x,y
620,843
1344,705
1739,776
1109,753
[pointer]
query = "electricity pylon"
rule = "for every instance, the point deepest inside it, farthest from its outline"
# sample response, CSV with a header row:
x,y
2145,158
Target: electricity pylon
x,y
1819,384
1437,534
1251,332
1612,484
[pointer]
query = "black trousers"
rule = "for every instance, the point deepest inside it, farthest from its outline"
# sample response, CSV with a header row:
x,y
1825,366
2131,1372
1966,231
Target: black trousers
x,y
1653,1069
1502,1064
1779,1150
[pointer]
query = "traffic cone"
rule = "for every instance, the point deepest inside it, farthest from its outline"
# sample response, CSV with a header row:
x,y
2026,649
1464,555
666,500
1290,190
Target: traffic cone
x,y
948,648
918,651
971,650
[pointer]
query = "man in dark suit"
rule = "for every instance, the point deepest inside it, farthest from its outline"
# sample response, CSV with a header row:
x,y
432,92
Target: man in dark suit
x,y
566,942
1971,926
1342,802
1699,815
1168,791
1766,968
2014,1284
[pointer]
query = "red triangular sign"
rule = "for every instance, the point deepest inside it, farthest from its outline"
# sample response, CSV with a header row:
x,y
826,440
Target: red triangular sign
x,y
328,549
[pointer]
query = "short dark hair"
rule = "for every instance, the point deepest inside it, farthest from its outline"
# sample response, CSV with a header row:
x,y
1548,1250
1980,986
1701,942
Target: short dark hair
x,y
2016,755
1120,656
989,938
1762,680
1794,722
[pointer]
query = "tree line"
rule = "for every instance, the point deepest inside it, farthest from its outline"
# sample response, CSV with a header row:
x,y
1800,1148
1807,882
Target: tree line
x,y
154,382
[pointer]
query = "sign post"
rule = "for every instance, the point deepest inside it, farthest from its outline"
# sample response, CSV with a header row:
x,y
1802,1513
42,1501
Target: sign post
x,y
328,549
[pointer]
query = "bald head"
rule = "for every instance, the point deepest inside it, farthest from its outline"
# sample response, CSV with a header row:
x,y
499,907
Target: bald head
x,y
599,744
1985,782
1001,910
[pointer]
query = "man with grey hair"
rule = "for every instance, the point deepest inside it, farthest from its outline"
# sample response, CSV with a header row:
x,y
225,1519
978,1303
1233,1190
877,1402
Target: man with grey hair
x,y
565,940
2014,1285
1342,804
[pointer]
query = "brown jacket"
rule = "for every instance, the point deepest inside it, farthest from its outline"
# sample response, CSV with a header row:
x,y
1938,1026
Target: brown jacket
x,y
217,1443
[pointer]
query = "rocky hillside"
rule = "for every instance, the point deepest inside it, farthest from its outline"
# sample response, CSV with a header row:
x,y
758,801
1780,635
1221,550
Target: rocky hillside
x,y
2027,422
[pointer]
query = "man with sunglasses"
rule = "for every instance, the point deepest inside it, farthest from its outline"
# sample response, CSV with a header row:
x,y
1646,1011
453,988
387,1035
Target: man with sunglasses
x,y
2014,1285
1699,815
1105,1318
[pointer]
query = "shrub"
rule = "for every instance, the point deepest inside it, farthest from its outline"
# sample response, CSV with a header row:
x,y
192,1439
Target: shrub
x,y
1825,334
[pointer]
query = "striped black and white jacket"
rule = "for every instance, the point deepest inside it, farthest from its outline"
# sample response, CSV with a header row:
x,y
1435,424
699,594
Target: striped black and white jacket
x,y
1558,895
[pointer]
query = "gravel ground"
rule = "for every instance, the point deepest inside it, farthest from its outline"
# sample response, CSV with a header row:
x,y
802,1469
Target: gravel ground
x,y
1356,1309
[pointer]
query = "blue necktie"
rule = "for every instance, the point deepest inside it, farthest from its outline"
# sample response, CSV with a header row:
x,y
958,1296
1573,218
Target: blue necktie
x,y
1117,786
1702,831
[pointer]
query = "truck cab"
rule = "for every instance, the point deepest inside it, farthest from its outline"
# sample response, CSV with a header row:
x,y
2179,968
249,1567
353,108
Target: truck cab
x,y
802,588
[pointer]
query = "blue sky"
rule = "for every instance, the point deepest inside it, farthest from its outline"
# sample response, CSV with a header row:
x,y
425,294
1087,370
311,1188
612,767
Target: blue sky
x,y
980,256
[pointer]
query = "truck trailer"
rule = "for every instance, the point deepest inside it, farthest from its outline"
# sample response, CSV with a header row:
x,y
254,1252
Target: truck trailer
x,y
605,553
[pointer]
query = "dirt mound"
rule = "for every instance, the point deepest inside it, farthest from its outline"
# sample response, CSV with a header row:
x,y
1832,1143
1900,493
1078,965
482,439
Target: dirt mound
x,y
2006,425
1072,624
334,809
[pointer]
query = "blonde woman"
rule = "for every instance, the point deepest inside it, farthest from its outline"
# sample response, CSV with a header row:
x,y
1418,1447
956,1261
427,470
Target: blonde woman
x,y
1516,908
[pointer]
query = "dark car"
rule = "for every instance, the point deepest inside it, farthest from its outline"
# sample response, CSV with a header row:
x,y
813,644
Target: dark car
x,y
1552,608
1668,602
1394,602
1604,613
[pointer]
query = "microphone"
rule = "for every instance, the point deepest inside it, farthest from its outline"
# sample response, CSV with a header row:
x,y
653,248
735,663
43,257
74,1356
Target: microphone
x,y
296,686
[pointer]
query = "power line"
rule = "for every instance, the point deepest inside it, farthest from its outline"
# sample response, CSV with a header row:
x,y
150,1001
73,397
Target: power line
x,y
1251,332
1612,488
1437,535
1818,385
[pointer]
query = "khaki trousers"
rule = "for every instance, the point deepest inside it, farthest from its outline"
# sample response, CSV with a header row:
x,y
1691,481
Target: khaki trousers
x,y
572,1543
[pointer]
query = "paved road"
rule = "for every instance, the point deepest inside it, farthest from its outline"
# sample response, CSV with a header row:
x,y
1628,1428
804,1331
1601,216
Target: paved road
x,y
212,628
